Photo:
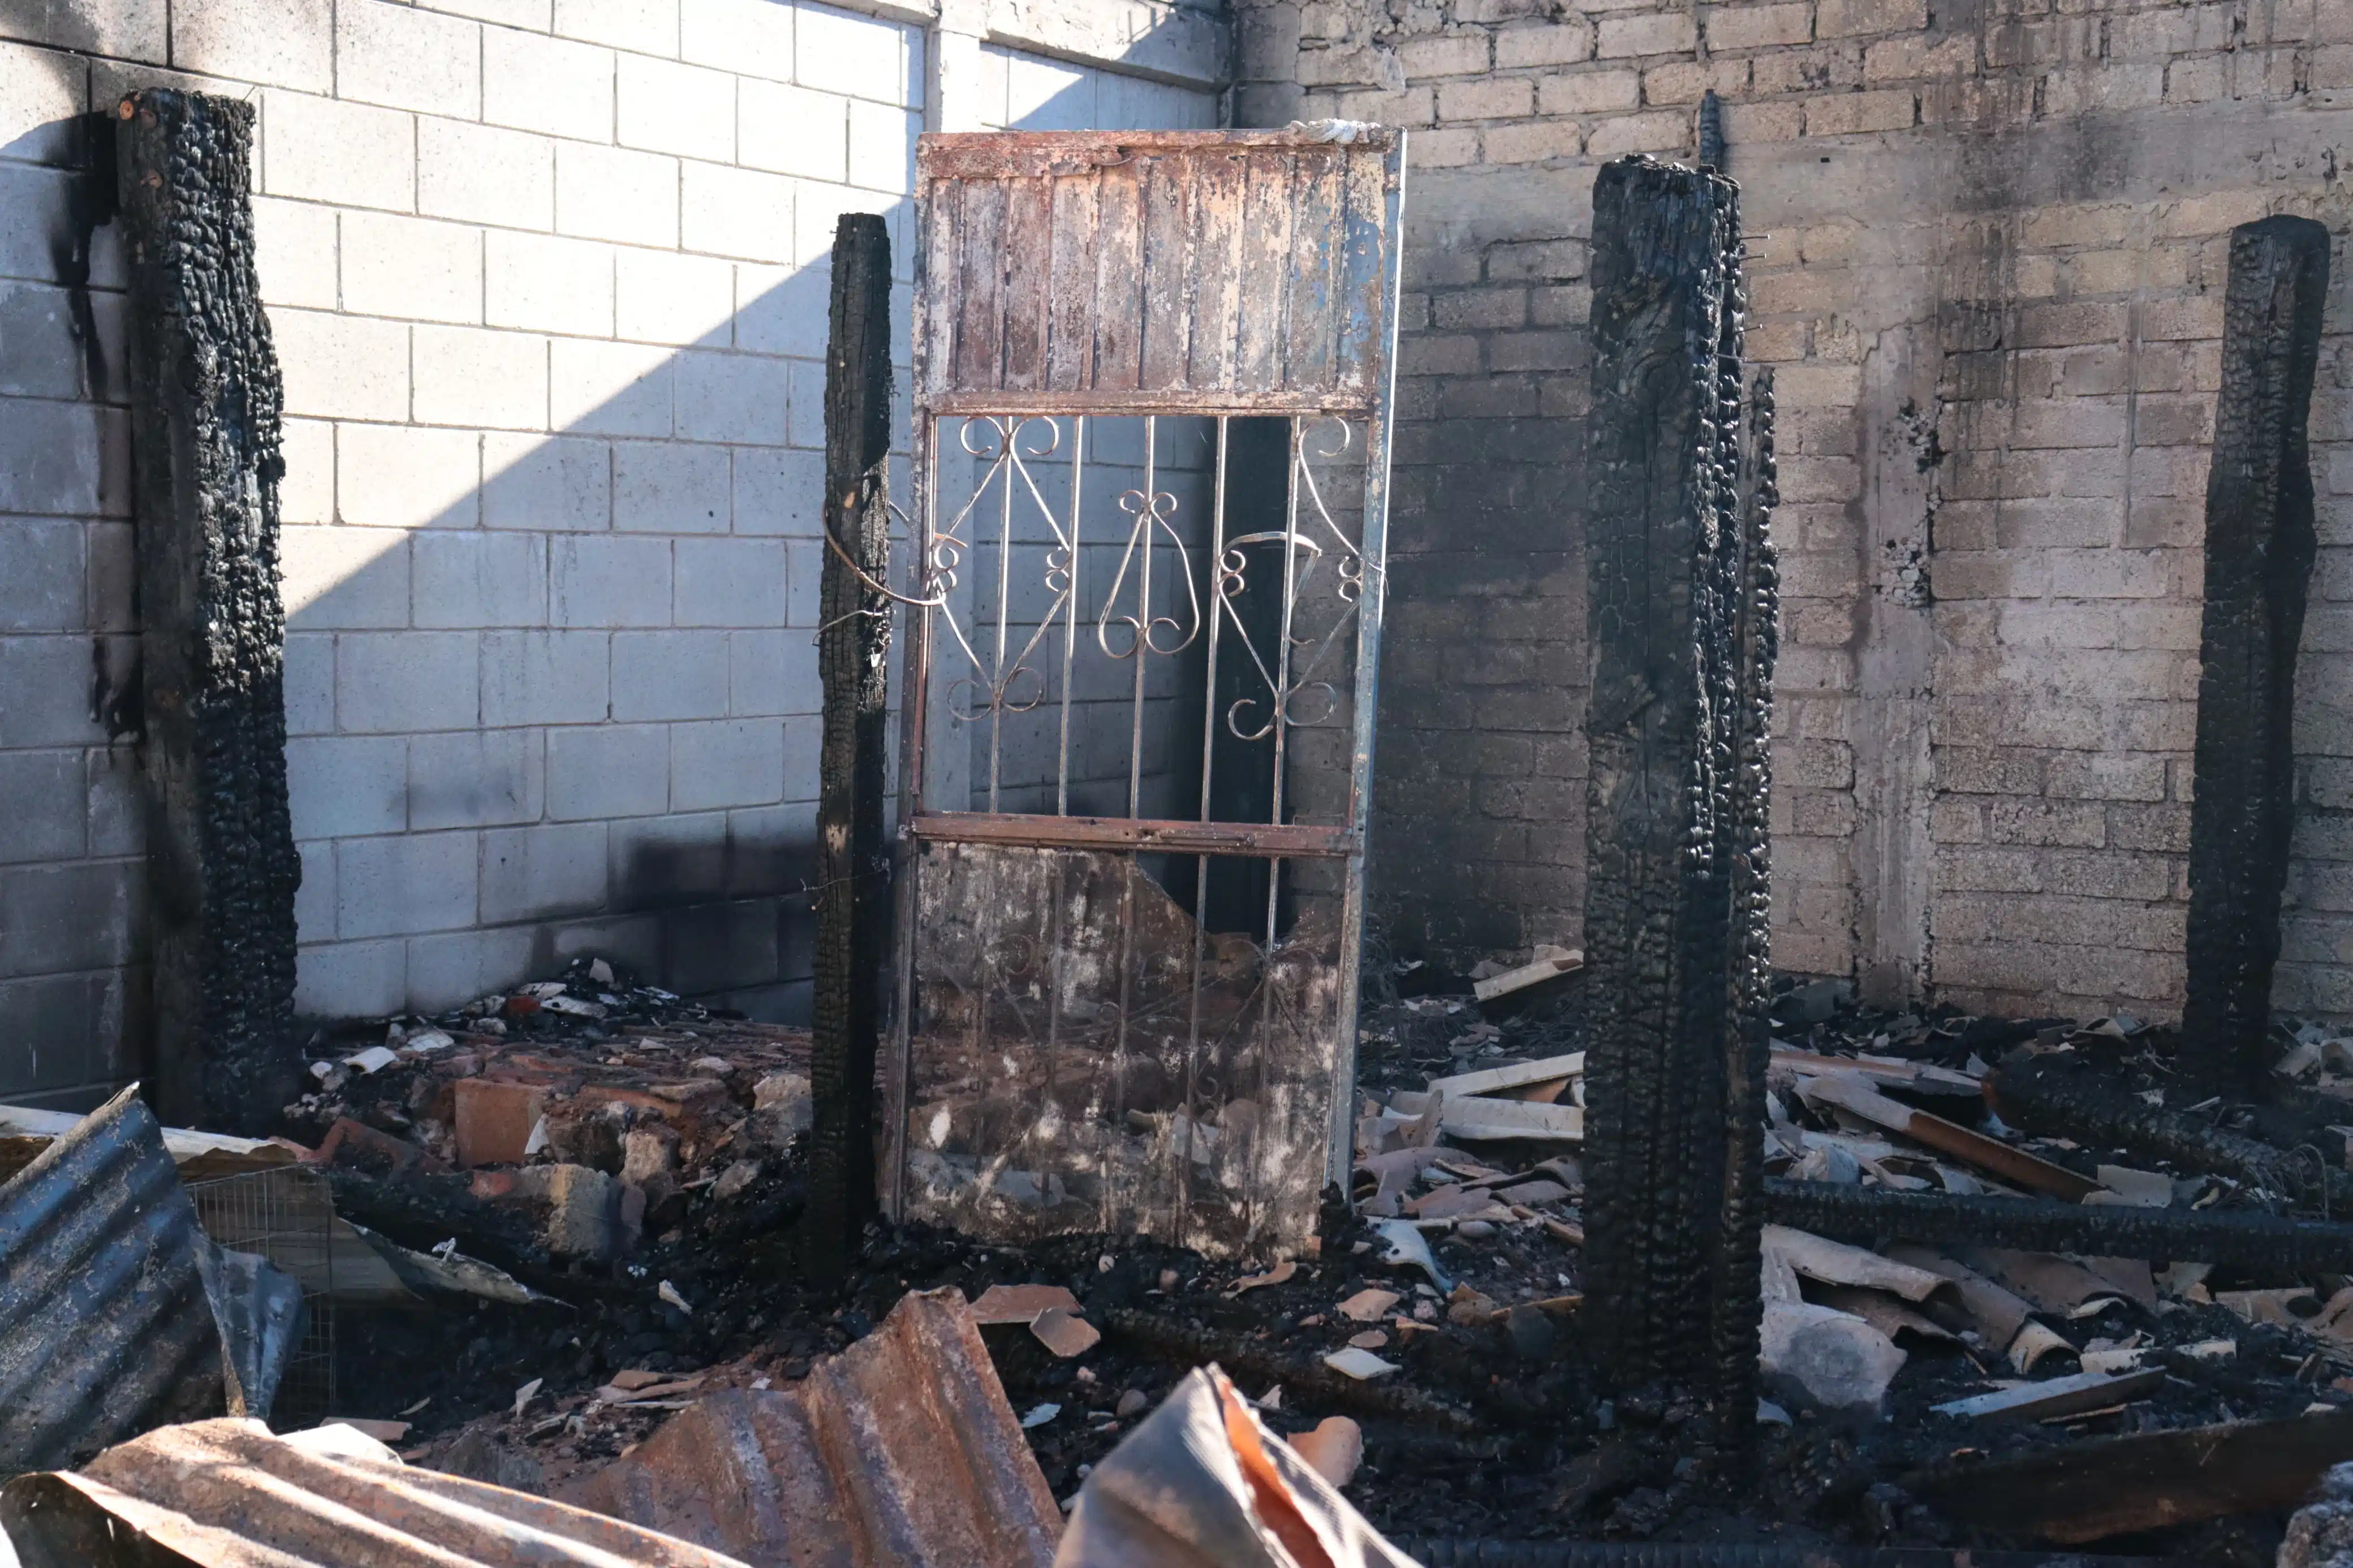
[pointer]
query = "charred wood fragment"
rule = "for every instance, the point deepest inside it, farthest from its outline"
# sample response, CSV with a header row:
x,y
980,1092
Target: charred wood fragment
x,y
1189,1345
206,465
853,909
2259,553
421,1209
2237,1238
2144,1480
2060,1096
1680,609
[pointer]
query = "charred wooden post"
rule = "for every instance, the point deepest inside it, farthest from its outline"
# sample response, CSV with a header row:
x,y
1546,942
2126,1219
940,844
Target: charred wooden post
x,y
205,404
1681,626
2259,549
853,912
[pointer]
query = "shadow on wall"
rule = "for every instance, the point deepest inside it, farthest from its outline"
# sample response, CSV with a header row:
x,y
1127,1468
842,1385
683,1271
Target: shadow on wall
x,y
550,691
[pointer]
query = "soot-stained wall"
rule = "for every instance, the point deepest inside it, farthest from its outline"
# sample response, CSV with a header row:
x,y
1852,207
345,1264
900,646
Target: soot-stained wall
x,y
548,282
1989,243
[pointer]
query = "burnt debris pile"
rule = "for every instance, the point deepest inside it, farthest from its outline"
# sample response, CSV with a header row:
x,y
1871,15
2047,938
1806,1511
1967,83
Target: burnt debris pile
x,y
1632,1253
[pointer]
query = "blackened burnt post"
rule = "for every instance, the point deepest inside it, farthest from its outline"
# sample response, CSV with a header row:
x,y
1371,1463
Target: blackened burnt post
x,y
853,649
1681,636
2259,551
205,405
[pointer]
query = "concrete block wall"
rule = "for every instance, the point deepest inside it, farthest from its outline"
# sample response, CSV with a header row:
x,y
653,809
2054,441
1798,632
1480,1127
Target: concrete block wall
x,y
548,280
1989,254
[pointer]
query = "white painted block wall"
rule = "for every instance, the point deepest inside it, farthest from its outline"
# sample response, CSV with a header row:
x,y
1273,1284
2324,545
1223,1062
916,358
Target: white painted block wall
x,y
548,281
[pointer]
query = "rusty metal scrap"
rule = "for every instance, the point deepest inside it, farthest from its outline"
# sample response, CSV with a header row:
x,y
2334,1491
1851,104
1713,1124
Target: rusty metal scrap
x,y
1283,839
105,1328
901,1450
227,1494
26,1130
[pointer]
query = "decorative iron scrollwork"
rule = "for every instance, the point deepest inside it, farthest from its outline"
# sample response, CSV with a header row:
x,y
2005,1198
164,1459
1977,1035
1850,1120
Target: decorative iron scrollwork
x,y
1291,678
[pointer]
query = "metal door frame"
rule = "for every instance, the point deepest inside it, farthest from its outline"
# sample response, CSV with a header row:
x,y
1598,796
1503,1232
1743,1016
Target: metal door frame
x,y
958,156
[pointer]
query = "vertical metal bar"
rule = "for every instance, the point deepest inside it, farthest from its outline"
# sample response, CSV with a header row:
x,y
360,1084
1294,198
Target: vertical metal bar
x,y
1143,619
1282,653
1217,598
1070,617
1006,472
1126,986
1134,797
1202,863
914,703
1372,543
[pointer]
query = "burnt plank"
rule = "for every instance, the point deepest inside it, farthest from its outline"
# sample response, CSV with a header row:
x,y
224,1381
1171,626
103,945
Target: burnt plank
x,y
1313,334
1028,238
980,279
1167,262
1119,279
2259,555
1361,303
939,300
2100,1487
1070,292
1260,334
1213,287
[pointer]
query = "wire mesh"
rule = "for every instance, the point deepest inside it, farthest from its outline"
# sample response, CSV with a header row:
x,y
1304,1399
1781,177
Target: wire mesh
x,y
285,1216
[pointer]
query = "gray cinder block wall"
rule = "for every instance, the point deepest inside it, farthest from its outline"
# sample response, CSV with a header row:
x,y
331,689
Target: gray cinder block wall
x,y
548,281
1990,244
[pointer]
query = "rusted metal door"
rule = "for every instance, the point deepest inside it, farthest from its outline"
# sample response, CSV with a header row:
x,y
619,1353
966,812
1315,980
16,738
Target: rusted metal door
x,y
1153,377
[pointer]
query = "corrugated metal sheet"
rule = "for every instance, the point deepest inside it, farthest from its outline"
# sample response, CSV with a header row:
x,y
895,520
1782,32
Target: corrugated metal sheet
x,y
227,1494
1101,271
105,1328
26,1130
901,1452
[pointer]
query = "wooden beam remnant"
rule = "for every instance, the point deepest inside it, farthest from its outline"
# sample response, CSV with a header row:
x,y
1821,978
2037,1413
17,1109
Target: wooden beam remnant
x,y
205,405
2259,553
853,650
1681,626
2144,1481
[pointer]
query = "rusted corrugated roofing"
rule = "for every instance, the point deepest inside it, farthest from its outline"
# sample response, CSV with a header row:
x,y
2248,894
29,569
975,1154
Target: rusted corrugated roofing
x,y
105,1328
901,1452
227,1494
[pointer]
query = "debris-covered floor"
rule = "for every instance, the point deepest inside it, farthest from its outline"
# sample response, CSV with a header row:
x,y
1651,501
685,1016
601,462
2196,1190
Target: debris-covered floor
x,y
1442,1315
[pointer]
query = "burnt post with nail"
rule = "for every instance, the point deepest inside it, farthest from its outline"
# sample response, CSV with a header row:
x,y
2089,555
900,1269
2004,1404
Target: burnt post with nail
x,y
853,906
